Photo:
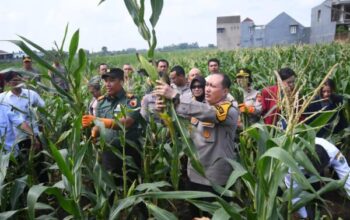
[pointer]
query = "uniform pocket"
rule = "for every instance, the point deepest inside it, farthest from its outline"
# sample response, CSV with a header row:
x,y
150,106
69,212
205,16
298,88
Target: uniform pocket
x,y
208,132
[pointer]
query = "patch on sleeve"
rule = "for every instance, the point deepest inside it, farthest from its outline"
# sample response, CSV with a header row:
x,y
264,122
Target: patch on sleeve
x,y
340,158
100,98
222,111
129,95
133,103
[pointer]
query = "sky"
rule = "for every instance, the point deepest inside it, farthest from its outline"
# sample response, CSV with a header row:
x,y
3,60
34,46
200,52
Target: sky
x,y
110,25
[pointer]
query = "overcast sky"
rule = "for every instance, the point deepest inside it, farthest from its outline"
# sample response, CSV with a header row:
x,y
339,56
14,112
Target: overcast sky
x,y
44,21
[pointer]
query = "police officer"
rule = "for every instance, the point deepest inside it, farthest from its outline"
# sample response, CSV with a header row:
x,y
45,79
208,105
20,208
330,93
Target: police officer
x,y
329,156
108,107
252,98
213,129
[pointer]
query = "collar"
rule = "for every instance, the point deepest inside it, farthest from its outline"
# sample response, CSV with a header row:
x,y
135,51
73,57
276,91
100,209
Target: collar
x,y
119,95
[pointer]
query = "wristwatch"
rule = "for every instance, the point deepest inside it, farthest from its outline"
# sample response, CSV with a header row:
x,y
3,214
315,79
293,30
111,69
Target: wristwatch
x,y
176,99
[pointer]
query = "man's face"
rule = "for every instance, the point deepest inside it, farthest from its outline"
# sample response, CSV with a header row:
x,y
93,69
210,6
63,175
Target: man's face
x,y
213,67
27,65
15,81
193,73
214,91
113,85
162,67
178,80
289,84
102,69
127,69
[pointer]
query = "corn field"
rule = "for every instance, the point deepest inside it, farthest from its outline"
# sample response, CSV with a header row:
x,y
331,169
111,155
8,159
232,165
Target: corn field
x,y
79,187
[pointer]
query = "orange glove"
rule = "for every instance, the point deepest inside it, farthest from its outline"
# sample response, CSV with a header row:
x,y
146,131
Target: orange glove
x,y
109,123
246,109
87,120
242,107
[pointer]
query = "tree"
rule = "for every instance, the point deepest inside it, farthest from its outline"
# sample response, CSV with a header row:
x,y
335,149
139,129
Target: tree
x,y
104,50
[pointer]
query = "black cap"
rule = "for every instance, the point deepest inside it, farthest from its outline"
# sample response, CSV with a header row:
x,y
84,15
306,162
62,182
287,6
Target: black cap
x,y
115,73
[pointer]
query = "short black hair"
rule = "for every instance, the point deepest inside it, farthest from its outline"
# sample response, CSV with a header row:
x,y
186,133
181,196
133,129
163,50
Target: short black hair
x,y
102,64
178,70
214,60
162,60
286,73
10,75
322,161
226,82
115,73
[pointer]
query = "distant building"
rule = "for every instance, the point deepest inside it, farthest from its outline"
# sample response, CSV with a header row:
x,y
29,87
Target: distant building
x,y
5,55
228,32
330,21
282,30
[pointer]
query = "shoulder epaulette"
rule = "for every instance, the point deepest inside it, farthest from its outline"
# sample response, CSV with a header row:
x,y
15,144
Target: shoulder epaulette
x,y
129,95
222,110
101,97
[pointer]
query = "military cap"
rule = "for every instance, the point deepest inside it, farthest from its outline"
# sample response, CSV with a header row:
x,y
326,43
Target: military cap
x,y
26,59
116,73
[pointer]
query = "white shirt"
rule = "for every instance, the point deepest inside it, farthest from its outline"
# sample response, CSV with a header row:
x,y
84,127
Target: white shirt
x,y
24,102
9,119
336,160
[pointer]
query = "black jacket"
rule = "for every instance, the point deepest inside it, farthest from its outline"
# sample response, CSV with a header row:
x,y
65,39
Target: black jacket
x,y
316,105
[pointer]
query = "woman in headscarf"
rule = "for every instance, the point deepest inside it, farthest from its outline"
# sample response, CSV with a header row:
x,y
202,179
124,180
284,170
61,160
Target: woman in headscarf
x,y
197,87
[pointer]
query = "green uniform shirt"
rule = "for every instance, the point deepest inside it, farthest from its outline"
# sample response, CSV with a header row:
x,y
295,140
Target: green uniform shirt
x,y
108,107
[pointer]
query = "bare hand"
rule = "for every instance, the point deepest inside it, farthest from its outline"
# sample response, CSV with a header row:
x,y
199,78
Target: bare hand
x,y
163,89
160,105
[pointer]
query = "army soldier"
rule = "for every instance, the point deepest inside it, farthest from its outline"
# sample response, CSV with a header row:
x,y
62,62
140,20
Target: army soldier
x,y
252,98
213,129
108,107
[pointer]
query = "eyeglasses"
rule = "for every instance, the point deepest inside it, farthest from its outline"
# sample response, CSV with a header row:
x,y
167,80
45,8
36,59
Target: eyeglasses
x,y
197,87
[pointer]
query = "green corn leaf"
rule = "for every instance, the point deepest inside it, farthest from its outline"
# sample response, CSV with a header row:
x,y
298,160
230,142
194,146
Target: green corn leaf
x,y
64,168
157,6
322,119
221,214
9,214
159,213
73,47
64,37
151,70
17,190
133,10
37,190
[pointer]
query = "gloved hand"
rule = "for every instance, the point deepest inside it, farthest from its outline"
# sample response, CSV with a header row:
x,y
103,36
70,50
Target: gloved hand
x,y
87,120
246,109
242,107
109,123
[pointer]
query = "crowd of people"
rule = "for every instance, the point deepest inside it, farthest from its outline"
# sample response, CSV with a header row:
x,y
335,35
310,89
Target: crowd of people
x,y
204,99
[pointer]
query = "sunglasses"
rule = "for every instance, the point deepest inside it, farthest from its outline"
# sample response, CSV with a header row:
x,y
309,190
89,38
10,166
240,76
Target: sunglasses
x,y
197,87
